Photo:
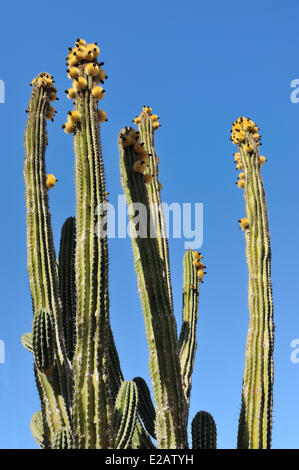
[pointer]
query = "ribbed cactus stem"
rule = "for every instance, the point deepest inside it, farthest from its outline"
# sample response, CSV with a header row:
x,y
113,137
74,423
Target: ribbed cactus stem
x,y
125,414
204,432
92,407
160,322
41,263
62,439
187,340
147,126
37,428
145,406
27,342
255,424
43,340
66,269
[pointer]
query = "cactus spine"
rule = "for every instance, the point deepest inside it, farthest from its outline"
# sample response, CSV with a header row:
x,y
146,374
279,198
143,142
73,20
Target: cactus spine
x,y
255,423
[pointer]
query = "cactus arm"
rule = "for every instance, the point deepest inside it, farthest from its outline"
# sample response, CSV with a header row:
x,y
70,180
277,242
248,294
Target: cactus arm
x,y
187,340
255,423
204,432
27,342
145,127
92,408
43,340
160,322
41,254
125,414
146,408
66,270
37,428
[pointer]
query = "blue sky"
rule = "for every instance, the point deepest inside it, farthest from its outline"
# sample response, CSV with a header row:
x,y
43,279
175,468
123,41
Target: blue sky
x,y
199,65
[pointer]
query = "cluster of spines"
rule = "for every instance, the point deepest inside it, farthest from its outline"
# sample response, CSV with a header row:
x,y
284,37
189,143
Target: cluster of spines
x,y
240,131
147,110
245,134
46,81
197,257
86,73
130,138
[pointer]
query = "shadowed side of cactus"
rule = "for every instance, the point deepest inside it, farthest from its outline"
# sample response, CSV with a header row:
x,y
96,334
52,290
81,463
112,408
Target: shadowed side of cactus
x,y
255,425
67,283
145,406
204,432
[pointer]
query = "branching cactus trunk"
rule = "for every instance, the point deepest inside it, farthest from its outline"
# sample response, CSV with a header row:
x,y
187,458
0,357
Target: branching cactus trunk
x,y
85,400
257,395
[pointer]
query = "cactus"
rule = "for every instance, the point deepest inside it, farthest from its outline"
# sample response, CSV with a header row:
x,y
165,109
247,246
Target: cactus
x,y
125,414
257,394
86,402
146,408
27,342
43,341
204,432
37,428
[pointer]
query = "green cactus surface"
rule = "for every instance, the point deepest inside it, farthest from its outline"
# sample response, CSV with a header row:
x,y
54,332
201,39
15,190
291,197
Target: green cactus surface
x,y
255,424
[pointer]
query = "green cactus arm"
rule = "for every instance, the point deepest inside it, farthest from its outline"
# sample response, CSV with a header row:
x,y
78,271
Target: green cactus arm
x,y
160,322
146,128
40,247
43,341
125,414
66,270
37,428
204,431
146,408
187,340
92,407
27,342
255,423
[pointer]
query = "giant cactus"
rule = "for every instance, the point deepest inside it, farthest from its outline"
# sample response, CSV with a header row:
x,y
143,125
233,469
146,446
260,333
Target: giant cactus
x,y
85,401
257,394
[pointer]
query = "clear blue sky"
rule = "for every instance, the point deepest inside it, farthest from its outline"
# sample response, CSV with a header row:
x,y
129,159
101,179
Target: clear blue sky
x,y
199,65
